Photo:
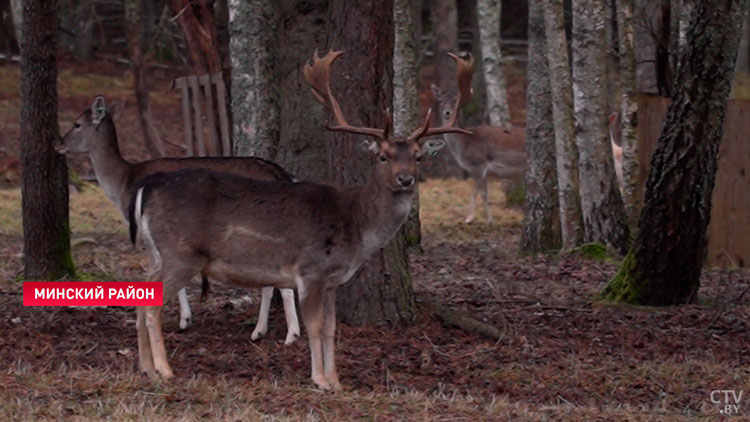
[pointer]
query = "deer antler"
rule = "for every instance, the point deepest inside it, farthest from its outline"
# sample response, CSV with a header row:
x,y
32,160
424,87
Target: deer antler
x,y
318,75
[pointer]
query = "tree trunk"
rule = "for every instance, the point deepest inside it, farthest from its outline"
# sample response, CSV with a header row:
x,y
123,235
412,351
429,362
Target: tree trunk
x,y
444,38
382,290
631,171
303,146
198,27
743,55
255,101
16,9
664,265
571,221
541,227
46,230
83,44
488,12
137,18
603,213
405,95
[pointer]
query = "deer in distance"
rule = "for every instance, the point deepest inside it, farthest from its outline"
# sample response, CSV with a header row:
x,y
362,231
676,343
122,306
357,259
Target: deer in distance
x,y
306,236
94,133
487,149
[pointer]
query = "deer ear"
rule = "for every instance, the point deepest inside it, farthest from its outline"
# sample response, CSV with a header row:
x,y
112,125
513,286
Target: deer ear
x,y
431,147
370,146
98,110
436,91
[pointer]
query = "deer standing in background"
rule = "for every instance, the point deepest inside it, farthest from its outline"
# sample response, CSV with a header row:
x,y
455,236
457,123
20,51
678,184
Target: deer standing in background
x,y
488,149
307,236
94,133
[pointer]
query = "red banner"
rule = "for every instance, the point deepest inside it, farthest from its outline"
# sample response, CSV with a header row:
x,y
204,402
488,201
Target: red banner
x,y
92,293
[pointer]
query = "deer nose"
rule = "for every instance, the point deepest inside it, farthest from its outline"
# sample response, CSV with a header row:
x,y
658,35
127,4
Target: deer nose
x,y
405,181
447,113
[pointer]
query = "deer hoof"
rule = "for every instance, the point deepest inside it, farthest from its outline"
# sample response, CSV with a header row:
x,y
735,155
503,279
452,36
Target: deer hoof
x,y
322,383
257,334
469,219
291,337
185,322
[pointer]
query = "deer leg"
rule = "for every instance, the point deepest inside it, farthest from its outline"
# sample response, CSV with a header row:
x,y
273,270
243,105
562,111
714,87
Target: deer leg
x,y
329,334
290,312
485,198
145,358
311,305
261,328
472,201
185,314
156,338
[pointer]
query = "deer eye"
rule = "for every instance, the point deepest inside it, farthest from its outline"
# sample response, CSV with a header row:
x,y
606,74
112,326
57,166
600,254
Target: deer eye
x,y
419,159
383,158
77,125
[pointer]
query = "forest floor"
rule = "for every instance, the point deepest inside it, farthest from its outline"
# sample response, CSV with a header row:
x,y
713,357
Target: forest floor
x,y
563,355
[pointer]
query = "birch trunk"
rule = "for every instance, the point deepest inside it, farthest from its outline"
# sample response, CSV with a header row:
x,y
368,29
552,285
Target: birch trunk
x,y
253,46
664,265
631,171
541,226
571,221
488,12
405,95
603,213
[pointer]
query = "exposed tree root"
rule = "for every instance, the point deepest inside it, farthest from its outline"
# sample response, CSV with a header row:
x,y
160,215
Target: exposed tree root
x,y
460,320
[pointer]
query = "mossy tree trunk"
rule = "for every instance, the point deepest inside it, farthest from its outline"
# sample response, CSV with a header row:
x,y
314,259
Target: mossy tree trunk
x,y
46,229
664,265
541,230
382,289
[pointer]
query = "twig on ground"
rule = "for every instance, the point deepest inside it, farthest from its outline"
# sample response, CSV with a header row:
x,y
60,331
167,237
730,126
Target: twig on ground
x,y
462,355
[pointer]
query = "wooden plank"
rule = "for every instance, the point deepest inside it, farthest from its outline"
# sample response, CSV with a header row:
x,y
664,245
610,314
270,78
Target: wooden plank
x,y
198,116
187,119
212,144
221,103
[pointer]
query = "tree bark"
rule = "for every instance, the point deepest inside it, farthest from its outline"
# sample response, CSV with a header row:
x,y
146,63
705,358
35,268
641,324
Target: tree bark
x,y
631,171
197,23
46,229
603,213
255,101
571,220
445,38
542,224
382,289
302,146
743,55
405,95
664,265
137,19
488,12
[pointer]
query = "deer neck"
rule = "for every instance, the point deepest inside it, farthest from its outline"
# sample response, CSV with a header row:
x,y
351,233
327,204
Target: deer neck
x,y
454,141
112,171
380,214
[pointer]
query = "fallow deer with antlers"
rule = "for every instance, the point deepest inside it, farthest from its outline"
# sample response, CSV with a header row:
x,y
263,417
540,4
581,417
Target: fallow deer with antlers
x,y
488,149
307,236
